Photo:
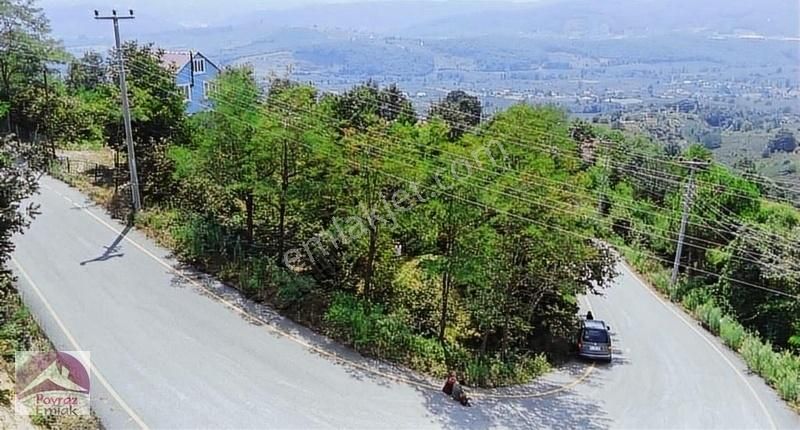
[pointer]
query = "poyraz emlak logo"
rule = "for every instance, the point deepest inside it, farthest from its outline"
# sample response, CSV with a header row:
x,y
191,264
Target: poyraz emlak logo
x,y
52,383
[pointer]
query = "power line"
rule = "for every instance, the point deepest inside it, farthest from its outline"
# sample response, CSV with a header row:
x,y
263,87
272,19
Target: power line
x,y
496,209
394,107
492,208
383,135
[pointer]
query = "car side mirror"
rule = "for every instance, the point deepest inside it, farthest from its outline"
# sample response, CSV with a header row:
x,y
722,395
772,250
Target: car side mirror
x,y
608,327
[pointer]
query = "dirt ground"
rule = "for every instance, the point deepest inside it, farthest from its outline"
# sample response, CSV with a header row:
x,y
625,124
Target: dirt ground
x,y
8,418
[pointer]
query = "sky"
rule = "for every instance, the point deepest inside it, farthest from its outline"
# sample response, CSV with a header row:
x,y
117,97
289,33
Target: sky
x,y
222,6
69,17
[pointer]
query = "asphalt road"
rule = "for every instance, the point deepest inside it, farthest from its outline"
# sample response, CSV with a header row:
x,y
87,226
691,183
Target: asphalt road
x,y
167,354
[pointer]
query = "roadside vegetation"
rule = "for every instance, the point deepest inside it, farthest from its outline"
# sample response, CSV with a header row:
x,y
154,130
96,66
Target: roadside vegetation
x,y
18,330
451,242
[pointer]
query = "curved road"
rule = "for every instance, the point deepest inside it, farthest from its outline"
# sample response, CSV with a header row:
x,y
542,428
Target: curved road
x,y
167,354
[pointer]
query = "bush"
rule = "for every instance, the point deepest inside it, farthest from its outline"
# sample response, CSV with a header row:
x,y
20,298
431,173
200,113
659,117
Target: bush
x,y
789,388
427,355
755,353
367,327
18,330
695,298
787,376
661,280
710,315
781,370
200,239
731,332
158,223
291,286
491,371
370,330
250,276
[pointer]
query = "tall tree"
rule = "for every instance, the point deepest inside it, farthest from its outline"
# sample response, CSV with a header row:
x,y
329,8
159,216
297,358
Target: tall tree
x,y
25,48
158,117
87,72
366,104
292,131
227,149
18,183
459,110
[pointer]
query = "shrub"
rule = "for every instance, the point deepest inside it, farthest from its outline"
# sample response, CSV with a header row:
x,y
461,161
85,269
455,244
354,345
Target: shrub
x,y
349,321
418,291
252,275
367,327
789,387
688,286
427,355
710,315
18,330
159,223
731,332
694,298
370,330
787,376
457,357
492,371
661,280
291,286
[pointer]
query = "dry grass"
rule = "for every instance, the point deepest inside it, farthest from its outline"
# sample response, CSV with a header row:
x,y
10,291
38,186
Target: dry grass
x,y
104,156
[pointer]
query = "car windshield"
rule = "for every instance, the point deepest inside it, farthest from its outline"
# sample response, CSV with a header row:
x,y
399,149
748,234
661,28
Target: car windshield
x,y
595,335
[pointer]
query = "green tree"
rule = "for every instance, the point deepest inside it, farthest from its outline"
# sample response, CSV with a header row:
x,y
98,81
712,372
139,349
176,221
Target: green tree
x,y
19,183
298,142
25,48
459,110
158,118
86,73
226,149
366,104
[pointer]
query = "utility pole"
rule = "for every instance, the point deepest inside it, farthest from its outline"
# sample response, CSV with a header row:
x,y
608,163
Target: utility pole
x,y
47,127
126,112
687,204
606,180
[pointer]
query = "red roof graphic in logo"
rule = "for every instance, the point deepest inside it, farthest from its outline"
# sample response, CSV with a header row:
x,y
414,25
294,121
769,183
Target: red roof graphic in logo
x,y
52,371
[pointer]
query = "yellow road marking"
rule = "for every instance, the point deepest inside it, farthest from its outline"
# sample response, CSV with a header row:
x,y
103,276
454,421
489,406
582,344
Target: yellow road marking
x,y
710,343
312,347
77,347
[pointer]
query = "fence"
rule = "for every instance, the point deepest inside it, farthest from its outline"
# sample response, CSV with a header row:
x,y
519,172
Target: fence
x,y
100,174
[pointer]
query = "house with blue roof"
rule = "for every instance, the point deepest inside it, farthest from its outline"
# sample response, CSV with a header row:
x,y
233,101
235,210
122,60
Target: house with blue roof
x,y
194,76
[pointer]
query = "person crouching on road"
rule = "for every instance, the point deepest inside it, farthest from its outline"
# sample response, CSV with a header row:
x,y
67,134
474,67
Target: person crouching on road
x,y
454,390
448,383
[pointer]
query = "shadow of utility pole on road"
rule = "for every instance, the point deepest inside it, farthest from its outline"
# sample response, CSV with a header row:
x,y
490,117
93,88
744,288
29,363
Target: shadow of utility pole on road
x,y
112,250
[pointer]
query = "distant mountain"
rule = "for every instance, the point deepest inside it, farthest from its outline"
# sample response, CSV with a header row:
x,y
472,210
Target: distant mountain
x,y
74,22
387,17
614,18
247,20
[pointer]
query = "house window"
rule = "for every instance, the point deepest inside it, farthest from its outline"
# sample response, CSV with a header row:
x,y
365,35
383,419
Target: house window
x,y
208,89
186,91
199,65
